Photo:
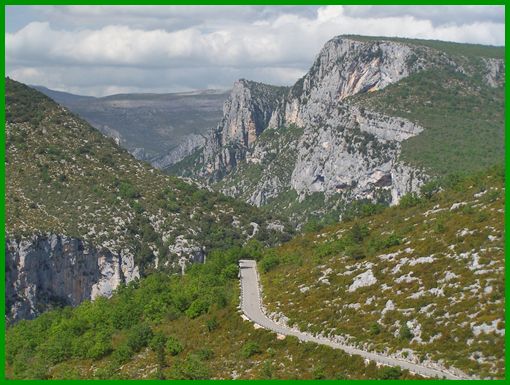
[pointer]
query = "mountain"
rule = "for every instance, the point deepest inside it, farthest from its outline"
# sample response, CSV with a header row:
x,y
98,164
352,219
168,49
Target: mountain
x,y
373,119
421,281
159,128
84,216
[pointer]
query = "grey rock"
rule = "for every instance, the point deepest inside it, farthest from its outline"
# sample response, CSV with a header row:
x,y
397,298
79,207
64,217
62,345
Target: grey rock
x,y
52,270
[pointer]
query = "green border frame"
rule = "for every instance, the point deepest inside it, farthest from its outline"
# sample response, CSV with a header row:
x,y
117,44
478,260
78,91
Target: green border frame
x,y
219,3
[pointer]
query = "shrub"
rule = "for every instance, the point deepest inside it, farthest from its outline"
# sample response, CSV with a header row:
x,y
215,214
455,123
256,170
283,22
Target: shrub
x,y
405,333
128,191
122,354
390,373
409,200
139,337
269,262
173,346
211,324
205,354
356,252
231,271
191,369
157,344
249,349
375,329
198,307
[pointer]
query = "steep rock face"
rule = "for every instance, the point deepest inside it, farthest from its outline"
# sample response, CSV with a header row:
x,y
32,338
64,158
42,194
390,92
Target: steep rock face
x,y
246,114
47,270
343,68
320,140
342,148
494,71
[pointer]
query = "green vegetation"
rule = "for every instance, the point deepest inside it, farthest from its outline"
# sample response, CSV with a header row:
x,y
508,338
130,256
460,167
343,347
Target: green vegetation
x,y
65,177
438,262
462,117
145,331
451,48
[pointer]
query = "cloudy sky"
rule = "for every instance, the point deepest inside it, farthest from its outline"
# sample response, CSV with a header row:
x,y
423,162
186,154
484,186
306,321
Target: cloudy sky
x,y
101,50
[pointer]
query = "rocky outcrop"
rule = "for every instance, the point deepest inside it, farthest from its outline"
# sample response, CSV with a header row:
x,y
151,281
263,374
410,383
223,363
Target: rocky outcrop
x,y
247,112
494,71
343,148
318,139
50,270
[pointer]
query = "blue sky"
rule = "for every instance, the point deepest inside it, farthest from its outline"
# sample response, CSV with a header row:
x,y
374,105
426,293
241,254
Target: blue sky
x,y
99,50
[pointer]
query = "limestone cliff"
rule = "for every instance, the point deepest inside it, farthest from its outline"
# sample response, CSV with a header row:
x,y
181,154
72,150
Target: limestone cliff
x,y
53,270
318,136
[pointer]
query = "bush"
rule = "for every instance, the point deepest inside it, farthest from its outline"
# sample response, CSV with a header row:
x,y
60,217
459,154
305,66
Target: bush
x,y
128,191
191,369
405,333
173,346
205,354
231,271
375,329
139,337
268,262
390,373
356,252
409,200
358,233
101,347
211,324
157,344
198,307
249,349
122,354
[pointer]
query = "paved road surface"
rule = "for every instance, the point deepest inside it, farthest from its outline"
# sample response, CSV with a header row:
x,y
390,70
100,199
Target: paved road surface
x,y
251,306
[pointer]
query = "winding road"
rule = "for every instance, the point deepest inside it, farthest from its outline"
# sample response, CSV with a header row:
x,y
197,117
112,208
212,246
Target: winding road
x,y
251,305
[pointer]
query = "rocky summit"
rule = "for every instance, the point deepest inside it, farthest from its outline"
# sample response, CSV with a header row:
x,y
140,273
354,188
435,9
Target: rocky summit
x,y
330,139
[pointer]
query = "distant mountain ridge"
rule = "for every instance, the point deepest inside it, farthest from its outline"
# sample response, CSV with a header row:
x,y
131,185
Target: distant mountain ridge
x,y
159,128
373,119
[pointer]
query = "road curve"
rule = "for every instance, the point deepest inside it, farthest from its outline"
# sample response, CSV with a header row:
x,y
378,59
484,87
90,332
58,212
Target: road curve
x,y
251,306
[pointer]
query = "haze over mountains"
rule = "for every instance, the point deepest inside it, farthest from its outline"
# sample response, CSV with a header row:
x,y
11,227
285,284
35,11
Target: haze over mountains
x,y
158,128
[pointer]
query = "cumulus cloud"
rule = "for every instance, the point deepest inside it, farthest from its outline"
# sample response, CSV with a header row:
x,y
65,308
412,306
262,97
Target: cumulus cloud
x,y
171,48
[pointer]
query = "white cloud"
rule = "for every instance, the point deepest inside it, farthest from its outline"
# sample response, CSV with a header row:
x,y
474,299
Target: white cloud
x,y
200,46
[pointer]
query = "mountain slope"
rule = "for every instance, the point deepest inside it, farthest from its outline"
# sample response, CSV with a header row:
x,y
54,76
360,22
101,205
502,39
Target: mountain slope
x,y
159,128
172,327
372,120
83,216
423,280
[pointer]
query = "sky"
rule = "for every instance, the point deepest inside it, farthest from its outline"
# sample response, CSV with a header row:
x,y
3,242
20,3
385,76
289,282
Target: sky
x,y
103,50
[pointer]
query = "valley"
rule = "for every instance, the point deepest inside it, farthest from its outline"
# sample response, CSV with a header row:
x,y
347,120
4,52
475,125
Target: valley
x,y
160,129
349,226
